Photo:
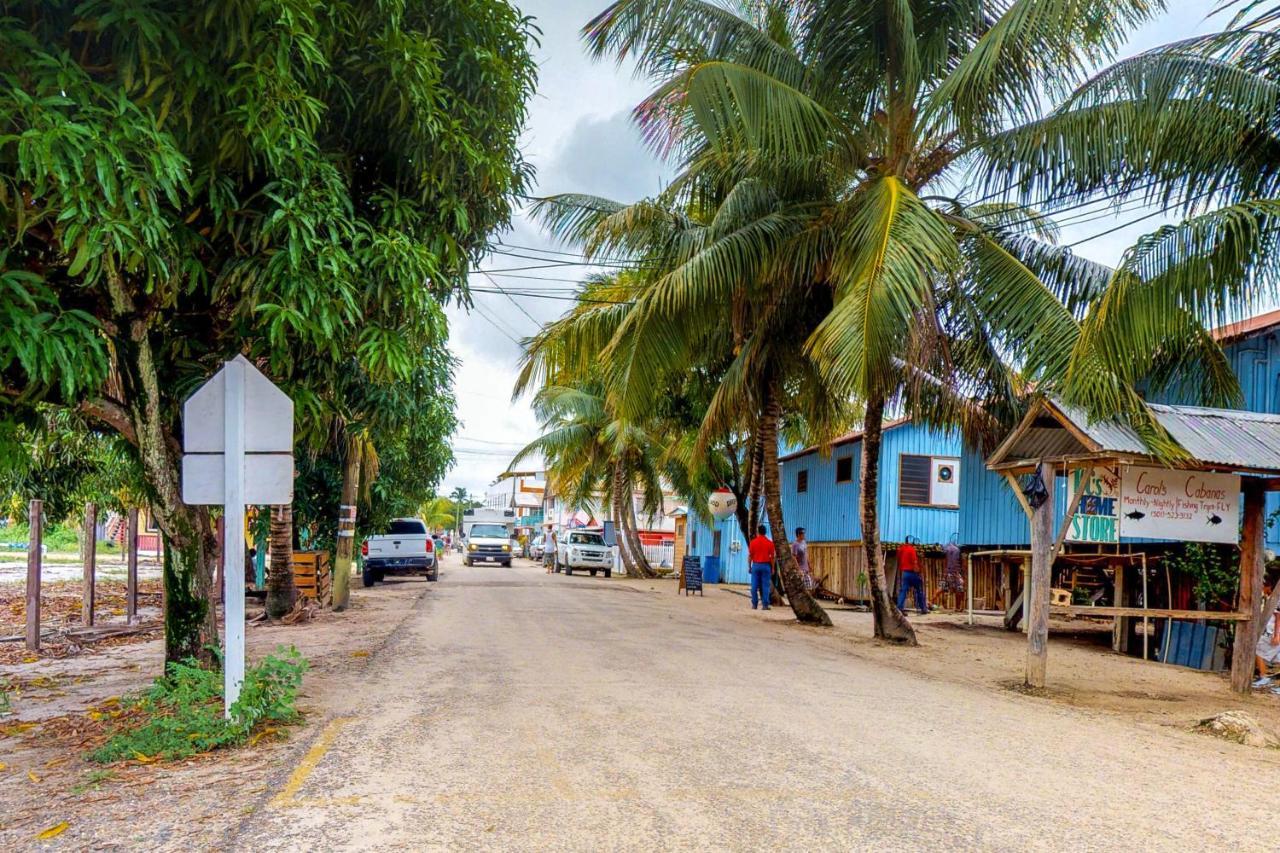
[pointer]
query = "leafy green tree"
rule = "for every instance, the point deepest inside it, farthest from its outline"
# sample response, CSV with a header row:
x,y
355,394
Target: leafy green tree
x,y
184,180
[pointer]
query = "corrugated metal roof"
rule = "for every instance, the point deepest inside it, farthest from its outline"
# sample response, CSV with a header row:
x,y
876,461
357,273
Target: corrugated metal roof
x,y
1244,328
1229,438
852,435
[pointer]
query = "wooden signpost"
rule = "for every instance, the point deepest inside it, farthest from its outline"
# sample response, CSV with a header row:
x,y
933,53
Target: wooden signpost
x,y
238,451
691,575
131,549
35,520
90,564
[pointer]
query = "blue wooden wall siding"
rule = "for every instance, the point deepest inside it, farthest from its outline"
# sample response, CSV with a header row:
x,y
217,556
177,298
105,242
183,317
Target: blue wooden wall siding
x,y
829,510
699,537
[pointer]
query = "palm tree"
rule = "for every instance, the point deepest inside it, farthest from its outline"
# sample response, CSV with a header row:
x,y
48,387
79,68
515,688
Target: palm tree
x,y
833,140
280,588
438,513
587,452
462,501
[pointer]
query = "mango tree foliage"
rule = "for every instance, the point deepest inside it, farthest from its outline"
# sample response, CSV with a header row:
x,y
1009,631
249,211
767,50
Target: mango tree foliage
x,y
184,180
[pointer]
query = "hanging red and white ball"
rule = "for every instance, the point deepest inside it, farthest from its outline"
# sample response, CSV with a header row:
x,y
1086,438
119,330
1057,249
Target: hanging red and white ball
x,y
722,503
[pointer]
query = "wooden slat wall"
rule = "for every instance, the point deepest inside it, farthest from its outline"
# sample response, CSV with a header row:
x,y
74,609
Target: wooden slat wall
x,y
837,565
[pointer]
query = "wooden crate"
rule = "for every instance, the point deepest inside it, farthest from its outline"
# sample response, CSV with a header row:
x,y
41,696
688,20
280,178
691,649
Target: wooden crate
x,y
311,574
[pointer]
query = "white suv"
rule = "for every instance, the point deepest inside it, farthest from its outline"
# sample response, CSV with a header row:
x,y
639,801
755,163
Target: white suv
x,y
584,549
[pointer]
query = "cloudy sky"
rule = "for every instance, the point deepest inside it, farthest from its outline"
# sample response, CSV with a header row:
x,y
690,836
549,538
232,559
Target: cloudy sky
x,y
580,139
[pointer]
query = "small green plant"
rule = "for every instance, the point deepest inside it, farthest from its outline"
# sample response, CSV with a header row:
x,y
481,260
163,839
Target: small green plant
x,y
92,780
5,707
181,714
1215,574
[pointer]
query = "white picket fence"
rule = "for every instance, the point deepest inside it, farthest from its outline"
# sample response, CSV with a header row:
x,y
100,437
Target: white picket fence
x,y
659,555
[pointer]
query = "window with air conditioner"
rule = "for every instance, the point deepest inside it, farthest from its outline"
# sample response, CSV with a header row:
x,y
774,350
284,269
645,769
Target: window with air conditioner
x,y
929,481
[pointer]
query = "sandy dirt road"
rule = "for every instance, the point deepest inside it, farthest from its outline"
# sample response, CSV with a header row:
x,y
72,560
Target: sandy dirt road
x,y
520,711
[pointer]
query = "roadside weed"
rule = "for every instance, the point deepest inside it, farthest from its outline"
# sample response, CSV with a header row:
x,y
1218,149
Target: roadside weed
x,y
181,714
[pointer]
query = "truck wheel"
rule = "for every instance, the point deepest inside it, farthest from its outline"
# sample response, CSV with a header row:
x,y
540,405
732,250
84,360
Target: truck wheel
x,y
568,570
593,572
507,564
466,561
433,575
368,577
608,573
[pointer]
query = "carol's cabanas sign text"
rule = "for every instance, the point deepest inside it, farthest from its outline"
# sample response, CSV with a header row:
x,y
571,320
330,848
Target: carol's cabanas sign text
x,y
1191,506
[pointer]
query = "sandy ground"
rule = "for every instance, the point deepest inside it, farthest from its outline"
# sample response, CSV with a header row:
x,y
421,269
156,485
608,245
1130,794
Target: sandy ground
x,y
189,805
508,709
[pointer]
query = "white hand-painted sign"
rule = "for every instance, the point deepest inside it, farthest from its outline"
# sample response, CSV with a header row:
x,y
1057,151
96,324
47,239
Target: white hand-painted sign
x,y
237,434
1190,506
1096,517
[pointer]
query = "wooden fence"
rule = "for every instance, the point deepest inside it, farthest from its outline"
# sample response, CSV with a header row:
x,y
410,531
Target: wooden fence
x,y
838,565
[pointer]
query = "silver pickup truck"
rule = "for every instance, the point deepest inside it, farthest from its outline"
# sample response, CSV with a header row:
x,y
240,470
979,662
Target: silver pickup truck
x,y
405,549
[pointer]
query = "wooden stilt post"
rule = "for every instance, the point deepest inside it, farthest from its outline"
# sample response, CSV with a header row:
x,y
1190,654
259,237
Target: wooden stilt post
x,y
1038,582
1251,567
131,552
90,564
35,519
1120,626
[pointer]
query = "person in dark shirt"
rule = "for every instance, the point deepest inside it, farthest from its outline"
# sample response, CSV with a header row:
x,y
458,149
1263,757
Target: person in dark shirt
x,y
760,553
909,566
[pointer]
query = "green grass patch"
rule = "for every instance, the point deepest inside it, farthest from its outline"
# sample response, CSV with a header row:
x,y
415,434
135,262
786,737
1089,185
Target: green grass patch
x,y
92,781
181,714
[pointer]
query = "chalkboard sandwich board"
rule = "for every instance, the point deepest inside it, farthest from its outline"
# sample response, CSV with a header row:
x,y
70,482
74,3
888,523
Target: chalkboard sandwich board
x,y
691,570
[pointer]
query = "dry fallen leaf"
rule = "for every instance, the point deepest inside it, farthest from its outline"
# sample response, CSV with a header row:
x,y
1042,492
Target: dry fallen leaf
x,y
3,766
31,774
53,831
145,759
360,654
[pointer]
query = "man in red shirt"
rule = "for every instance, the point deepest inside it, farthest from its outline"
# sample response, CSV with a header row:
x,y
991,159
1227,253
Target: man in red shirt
x,y
760,553
909,566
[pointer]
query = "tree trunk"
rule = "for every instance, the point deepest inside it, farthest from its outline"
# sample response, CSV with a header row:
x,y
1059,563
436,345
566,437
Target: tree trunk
x,y
633,537
628,542
755,484
890,622
280,589
345,548
804,605
619,523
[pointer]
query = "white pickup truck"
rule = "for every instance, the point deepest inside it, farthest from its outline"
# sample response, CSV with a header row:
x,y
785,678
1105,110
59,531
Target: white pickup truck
x,y
584,549
406,548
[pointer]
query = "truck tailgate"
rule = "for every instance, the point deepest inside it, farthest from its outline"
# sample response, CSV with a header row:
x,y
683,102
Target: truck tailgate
x,y
404,545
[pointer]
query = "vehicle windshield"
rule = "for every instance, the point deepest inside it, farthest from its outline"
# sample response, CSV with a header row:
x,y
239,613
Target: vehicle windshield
x,y
586,539
405,526
488,531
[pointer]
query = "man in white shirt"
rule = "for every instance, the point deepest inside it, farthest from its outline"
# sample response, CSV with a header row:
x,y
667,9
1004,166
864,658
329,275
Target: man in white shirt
x,y
1267,652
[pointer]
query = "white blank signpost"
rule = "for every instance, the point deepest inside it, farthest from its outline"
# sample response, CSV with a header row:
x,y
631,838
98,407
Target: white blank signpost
x,y
237,442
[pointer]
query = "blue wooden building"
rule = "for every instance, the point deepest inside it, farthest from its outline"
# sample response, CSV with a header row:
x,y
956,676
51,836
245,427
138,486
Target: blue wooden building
x,y
936,489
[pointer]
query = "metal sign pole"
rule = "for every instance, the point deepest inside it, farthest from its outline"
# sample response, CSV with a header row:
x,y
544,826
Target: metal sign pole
x,y
233,548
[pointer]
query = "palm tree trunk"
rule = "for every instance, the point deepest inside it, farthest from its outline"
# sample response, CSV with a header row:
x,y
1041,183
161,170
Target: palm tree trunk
x,y
755,485
890,622
280,589
804,605
633,537
619,522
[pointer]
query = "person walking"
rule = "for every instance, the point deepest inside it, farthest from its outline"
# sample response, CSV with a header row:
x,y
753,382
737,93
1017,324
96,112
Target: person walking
x,y
760,552
800,550
909,568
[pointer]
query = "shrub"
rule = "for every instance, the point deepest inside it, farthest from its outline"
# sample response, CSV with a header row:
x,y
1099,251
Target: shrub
x,y
181,714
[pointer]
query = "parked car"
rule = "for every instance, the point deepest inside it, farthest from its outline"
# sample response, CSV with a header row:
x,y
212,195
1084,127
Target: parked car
x,y
405,549
538,546
584,549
